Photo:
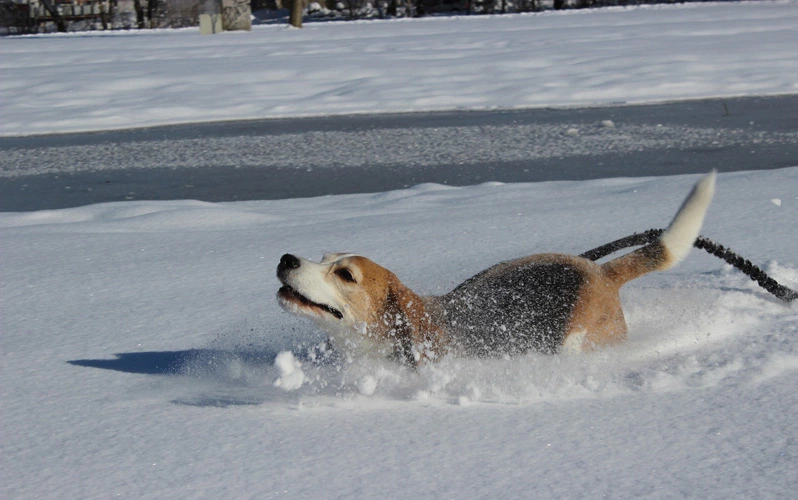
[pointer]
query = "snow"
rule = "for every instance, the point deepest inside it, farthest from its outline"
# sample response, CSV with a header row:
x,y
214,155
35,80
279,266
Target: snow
x,y
290,370
144,355
100,81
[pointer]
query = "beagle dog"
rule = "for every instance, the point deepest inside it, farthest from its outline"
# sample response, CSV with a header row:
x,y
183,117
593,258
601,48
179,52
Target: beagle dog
x,y
544,302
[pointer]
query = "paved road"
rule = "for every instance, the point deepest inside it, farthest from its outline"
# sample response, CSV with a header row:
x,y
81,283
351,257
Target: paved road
x,y
272,159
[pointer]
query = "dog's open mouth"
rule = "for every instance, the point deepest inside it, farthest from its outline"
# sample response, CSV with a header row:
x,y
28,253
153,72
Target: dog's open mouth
x,y
290,295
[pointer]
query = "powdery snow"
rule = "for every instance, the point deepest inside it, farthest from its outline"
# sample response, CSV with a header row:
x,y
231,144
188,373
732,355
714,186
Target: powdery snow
x,y
99,81
144,354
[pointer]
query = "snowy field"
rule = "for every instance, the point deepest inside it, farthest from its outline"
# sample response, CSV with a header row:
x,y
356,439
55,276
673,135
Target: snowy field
x,y
98,81
138,340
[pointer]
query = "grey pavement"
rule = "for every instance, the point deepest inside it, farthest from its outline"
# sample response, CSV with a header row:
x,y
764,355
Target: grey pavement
x,y
290,158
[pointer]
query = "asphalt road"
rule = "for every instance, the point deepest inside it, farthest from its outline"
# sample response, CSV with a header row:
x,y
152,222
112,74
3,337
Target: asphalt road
x,y
274,159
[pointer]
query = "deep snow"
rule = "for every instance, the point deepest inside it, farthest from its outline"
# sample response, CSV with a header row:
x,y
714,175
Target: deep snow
x,y
139,346
144,355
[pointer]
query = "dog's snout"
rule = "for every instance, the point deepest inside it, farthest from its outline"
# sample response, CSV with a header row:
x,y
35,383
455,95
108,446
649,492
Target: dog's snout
x,y
288,262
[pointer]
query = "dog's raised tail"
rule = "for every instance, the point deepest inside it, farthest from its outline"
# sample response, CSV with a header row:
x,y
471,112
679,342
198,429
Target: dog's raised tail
x,y
674,244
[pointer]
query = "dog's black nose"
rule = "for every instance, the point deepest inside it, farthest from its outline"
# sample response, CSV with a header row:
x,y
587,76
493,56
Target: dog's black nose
x,y
288,261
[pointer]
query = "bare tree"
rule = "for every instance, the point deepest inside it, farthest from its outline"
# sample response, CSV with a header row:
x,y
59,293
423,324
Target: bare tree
x,y
139,14
527,5
107,13
417,8
295,17
144,17
60,23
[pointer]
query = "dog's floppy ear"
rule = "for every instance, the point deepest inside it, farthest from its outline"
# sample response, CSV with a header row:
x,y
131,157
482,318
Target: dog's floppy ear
x,y
408,326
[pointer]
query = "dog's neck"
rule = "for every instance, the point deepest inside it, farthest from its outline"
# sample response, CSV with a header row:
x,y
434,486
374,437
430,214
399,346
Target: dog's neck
x,y
405,322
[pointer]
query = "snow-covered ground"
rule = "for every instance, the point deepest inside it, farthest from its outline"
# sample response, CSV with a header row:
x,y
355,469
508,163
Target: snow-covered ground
x,y
139,341
96,81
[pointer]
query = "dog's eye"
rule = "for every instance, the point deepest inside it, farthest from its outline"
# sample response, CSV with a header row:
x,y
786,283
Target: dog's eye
x,y
345,274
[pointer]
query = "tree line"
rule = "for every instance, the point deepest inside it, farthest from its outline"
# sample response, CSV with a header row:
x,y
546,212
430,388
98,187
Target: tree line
x,y
32,16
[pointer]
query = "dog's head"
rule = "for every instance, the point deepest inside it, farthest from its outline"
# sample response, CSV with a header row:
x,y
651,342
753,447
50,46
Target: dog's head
x,y
359,303
342,289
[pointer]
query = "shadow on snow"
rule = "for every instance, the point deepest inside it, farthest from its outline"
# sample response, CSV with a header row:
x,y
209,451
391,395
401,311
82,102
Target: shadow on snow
x,y
175,362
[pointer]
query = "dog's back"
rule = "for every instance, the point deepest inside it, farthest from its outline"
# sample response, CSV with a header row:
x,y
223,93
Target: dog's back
x,y
545,301
516,306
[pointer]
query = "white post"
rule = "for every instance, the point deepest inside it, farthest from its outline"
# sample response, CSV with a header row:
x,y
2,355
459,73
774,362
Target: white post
x,y
211,18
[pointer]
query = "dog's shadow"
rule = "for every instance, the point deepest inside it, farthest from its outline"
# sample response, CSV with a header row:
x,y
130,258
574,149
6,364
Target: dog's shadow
x,y
225,370
145,363
185,362
224,377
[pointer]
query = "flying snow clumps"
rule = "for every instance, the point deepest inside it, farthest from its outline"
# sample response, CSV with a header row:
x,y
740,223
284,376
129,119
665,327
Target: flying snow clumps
x,y
367,385
291,374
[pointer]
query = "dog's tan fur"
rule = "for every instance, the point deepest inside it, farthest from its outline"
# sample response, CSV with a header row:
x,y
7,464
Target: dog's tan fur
x,y
365,306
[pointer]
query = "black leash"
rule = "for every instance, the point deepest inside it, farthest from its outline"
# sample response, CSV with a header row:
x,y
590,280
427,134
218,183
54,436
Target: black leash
x,y
752,271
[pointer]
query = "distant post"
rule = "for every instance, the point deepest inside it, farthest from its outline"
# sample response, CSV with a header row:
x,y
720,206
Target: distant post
x,y
210,17
210,24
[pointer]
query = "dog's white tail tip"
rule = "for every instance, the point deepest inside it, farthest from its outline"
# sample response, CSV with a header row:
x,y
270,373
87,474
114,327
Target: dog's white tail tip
x,y
684,229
